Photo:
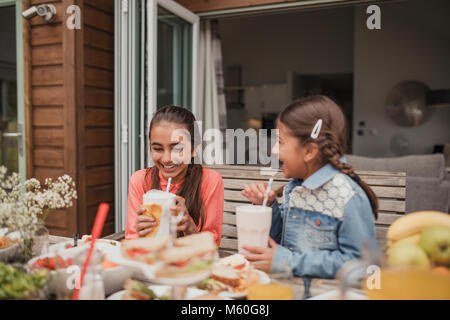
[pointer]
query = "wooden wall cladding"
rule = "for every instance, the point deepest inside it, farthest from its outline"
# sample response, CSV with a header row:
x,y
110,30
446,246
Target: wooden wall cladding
x,y
98,114
71,108
44,62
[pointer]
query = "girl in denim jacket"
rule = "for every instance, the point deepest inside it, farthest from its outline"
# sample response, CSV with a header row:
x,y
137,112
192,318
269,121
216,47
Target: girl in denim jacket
x,y
327,211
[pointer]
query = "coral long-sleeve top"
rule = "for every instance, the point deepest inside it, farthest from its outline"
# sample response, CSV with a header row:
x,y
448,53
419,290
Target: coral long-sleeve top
x,y
211,192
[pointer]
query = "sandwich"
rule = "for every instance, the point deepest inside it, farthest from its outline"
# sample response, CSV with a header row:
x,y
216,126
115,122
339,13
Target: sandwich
x,y
147,250
153,210
190,255
224,278
231,274
226,275
237,262
135,290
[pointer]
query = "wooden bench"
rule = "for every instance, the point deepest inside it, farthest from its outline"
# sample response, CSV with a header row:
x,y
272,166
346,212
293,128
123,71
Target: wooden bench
x,y
389,187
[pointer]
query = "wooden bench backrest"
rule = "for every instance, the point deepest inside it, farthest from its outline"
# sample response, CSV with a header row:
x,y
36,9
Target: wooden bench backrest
x,y
390,188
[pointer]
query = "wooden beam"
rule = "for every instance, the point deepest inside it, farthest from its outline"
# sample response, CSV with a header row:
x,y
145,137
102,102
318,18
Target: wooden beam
x,y
211,5
28,112
80,139
71,65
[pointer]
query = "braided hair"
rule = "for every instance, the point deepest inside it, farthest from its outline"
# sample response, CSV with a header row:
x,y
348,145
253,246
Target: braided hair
x,y
301,116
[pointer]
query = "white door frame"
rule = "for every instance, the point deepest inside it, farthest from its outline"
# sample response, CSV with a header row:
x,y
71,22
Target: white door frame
x,y
129,106
127,84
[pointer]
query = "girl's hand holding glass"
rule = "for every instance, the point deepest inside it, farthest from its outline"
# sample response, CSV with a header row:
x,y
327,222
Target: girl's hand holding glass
x,y
263,255
255,192
144,224
186,224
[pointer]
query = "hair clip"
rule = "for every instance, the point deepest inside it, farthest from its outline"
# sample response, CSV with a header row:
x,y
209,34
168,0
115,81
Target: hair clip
x,y
315,132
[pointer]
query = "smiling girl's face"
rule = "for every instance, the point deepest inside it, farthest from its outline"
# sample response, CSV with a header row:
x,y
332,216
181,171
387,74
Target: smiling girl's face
x,y
299,161
171,149
290,152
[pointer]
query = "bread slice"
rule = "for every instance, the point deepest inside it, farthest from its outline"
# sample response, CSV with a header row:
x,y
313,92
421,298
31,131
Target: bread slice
x,y
202,239
177,254
226,275
154,244
153,210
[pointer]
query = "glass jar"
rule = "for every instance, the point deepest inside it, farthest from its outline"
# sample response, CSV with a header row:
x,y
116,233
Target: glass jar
x,y
40,240
92,287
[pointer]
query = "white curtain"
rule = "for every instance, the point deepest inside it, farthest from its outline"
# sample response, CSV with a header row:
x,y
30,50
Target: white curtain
x,y
211,96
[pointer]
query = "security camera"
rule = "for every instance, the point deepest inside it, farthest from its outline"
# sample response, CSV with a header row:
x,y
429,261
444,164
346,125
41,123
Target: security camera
x,y
47,11
30,13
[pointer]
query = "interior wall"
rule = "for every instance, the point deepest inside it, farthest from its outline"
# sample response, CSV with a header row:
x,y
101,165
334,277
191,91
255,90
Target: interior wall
x,y
413,44
269,46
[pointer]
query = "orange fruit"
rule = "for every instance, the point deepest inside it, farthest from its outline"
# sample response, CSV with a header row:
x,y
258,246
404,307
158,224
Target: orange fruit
x,y
441,270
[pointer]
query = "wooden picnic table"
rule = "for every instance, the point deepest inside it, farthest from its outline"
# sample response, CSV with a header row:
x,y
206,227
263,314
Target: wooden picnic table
x,y
317,286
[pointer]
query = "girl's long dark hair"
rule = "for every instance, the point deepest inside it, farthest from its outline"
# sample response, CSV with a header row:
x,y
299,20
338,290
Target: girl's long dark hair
x,y
190,191
300,118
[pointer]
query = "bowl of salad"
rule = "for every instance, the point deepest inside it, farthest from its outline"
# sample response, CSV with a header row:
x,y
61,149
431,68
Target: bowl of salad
x,y
17,284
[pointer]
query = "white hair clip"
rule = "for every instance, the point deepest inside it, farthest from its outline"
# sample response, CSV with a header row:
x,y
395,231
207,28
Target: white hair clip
x,y
315,132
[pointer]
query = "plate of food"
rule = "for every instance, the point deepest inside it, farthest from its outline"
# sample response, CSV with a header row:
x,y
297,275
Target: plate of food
x,y
185,261
231,276
17,284
102,244
9,245
136,290
114,275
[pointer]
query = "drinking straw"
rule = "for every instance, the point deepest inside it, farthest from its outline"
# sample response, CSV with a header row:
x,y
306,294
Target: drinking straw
x,y
102,212
168,184
266,196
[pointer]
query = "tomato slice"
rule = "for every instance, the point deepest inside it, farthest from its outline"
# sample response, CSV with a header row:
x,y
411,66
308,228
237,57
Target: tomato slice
x,y
136,251
240,267
180,264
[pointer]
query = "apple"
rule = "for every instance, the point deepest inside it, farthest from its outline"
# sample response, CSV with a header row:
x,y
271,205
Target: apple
x,y
436,243
403,254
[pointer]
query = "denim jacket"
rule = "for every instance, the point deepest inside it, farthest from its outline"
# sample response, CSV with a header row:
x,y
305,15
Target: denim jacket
x,y
322,223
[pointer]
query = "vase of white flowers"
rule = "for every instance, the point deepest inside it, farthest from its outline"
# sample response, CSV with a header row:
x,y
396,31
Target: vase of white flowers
x,y
40,240
24,207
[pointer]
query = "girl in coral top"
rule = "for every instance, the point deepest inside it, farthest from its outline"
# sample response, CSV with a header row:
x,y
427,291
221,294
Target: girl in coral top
x,y
199,190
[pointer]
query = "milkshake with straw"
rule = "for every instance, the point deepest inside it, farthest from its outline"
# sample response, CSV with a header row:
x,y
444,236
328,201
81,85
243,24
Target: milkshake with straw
x,y
253,224
157,205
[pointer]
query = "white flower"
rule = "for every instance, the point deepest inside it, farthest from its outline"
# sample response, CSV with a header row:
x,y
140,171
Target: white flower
x,y
23,205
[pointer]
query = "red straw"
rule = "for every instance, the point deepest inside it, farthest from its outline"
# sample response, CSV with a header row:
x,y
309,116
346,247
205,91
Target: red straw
x,y
102,212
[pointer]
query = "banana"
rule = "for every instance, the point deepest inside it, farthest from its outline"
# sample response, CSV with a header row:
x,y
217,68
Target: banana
x,y
413,223
415,238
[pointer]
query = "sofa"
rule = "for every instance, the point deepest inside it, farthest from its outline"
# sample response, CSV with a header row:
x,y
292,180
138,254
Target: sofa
x,y
427,181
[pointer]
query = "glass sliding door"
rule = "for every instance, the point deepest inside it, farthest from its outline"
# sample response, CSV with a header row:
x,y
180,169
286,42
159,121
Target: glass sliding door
x,y
172,38
12,154
174,60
